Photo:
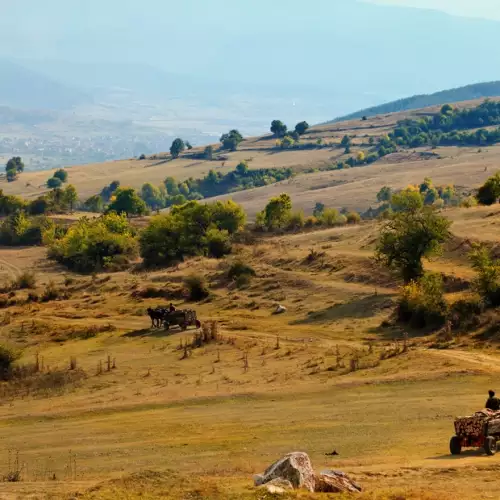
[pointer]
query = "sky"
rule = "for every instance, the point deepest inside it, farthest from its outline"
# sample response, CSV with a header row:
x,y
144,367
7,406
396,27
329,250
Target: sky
x,y
488,9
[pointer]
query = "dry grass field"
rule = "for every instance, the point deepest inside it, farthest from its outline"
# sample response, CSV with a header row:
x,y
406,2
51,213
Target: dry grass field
x,y
156,425
122,410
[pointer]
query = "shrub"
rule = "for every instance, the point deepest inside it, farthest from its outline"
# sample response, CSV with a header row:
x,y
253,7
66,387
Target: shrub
x,y
296,220
310,221
218,243
489,192
196,288
422,302
50,293
487,282
464,313
353,218
26,280
239,269
7,357
61,174
91,244
142,157
331,217
469,202
54,182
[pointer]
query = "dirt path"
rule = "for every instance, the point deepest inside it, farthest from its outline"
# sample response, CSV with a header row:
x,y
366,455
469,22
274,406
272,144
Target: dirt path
x,y
487,362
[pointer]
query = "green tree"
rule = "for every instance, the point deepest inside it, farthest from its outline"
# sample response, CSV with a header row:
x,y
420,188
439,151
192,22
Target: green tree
x,y
346,142
409,237
152,195
16,164
384,195
407,200
128,201
447,109
231,140
54,182
228,216
487,282
319,208
171,186
489,192
11,175
287,142
277,211
184,189
94,204
301,128
70,197
188,145
278,128
61,174
177,148
209,153
242,168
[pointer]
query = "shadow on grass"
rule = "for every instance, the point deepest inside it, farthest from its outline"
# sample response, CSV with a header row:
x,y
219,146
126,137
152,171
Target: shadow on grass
x,y
365,307
478,452
150,332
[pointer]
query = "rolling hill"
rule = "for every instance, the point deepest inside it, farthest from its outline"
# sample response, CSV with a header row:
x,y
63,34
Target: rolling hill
x,y
467,93
317,179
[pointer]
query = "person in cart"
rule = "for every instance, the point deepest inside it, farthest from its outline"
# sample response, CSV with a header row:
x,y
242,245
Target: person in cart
x,y
171,308
493,403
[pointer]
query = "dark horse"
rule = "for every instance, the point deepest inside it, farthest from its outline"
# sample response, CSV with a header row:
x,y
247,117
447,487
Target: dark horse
x,y
157,315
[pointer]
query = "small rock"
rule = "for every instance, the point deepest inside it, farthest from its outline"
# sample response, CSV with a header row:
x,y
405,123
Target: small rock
x,y
278,486
295,468
332,481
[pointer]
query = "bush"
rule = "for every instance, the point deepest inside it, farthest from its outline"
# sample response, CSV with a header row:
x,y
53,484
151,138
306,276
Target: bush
x,y
26,280
464,313
469,202
218,242
7,357
487,282
50,293
54,183
61,174
296,220
331,217
422,302
239,269
92,244
353,218
196,288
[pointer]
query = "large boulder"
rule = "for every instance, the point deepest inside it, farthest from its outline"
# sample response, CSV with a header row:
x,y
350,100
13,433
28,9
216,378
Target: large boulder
x,y
333,481
295,467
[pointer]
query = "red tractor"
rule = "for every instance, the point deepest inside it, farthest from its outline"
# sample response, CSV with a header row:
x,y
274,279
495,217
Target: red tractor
x,y
481,430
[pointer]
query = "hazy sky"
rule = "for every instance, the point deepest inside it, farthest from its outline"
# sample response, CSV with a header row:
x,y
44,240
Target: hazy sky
x,y
489,9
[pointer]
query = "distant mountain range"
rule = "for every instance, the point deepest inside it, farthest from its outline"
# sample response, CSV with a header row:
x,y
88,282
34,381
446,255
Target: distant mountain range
x,y
467,93
21,87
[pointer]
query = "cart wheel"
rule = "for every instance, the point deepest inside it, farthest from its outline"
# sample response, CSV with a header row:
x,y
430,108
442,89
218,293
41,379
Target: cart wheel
x,y
455,445
198,324
490,445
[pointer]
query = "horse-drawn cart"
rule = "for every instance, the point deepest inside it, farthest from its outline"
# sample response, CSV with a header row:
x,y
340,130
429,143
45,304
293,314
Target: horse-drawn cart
x,y
481,430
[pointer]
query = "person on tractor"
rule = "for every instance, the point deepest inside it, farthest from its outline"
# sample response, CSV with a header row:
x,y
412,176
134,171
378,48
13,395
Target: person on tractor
x,y
172,308
493,403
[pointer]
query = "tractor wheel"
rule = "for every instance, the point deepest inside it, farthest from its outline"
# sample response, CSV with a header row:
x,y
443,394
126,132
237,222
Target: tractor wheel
x,y
490,445
455,445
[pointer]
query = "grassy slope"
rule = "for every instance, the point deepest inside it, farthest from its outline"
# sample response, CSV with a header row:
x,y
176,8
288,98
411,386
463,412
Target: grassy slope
x,y
216,423
354,189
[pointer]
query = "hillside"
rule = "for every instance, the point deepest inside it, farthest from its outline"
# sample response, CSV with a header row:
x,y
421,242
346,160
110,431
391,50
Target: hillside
x,y
467,93
317,178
